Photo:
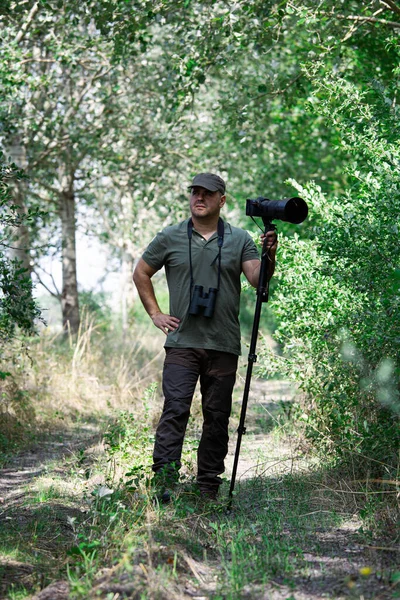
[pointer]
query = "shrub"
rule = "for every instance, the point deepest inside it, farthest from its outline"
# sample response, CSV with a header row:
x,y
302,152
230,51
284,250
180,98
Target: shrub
x,y
338,297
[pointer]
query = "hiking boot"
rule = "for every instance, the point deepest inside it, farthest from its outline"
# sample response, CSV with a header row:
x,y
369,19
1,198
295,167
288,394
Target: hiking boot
x,y
209,493
165,496
161,493
163,484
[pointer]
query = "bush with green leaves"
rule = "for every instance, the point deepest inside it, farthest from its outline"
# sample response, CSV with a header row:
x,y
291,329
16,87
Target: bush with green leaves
x,y
18,310
338,298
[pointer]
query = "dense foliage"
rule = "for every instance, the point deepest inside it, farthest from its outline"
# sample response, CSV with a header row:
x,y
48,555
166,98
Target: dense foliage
x,y
338,304
17,308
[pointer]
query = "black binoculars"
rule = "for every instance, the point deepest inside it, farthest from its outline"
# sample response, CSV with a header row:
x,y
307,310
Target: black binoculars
x,y
203,301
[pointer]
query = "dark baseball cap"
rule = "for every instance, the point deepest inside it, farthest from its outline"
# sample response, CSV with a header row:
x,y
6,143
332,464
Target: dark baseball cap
x,y
209,181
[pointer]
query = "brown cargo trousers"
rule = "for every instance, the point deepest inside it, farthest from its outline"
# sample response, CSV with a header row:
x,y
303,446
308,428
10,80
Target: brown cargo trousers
x,y
182,369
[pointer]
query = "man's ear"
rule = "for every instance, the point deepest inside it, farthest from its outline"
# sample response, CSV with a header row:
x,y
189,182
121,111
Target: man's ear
x,y
222,201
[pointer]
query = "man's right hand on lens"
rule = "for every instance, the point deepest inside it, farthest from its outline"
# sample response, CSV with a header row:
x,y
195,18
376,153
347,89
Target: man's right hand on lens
x,y
165,322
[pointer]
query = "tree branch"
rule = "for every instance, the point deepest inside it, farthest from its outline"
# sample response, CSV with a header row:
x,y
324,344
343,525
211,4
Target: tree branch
x,y
21,34
288,85
391,6
35,194
354,27
73,109
13,247
37,60
53,144
39,124
22,247
49,188
358,19
55,294
281,91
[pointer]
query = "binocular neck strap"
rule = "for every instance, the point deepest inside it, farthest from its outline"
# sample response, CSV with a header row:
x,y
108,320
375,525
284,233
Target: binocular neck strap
x,y
220,231
220,244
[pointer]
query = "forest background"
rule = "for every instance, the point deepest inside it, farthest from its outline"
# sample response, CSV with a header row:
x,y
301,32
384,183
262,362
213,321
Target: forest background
x,y
108,109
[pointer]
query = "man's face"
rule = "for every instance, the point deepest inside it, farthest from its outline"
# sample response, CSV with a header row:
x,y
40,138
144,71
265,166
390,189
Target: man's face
x,y
204,203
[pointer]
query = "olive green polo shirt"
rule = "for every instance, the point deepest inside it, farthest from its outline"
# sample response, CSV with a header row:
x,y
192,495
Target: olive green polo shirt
x,y
170,249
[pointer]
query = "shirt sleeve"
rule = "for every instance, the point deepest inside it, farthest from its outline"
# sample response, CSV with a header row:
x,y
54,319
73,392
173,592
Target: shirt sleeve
x,y
249,251
156,251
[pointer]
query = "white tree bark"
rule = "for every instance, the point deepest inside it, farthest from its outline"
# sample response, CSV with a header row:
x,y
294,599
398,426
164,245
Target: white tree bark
x,y
69,295
20,237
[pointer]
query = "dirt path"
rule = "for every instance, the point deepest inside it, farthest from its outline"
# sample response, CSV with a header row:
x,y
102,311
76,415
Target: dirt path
x,y
339,560
23,508
43,456
267,404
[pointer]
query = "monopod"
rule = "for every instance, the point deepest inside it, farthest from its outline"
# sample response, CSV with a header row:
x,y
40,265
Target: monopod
x,y
293,210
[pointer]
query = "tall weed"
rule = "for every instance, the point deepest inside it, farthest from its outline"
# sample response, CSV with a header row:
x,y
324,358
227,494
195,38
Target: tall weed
x,y
59,377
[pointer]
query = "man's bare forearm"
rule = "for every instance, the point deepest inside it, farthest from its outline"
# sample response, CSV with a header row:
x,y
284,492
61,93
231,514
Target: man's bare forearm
x,y
142,279
146,293
255,276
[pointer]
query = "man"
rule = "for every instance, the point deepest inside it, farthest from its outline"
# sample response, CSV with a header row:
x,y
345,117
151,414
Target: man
x,y
202,327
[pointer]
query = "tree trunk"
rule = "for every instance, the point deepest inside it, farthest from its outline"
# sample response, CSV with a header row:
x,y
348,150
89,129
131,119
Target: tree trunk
x,y
20,235
20,238
69,296
20,244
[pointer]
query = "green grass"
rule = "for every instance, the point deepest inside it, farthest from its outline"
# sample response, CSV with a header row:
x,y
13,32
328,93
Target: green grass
x,y
111,536
33,545
263,537
274,524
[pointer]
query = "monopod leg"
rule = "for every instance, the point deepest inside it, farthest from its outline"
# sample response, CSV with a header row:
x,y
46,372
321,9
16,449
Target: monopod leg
x,y
262,296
